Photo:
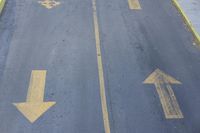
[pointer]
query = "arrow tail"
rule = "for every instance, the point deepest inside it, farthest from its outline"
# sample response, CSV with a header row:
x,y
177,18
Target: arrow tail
x,y
174,102
36,86
168,101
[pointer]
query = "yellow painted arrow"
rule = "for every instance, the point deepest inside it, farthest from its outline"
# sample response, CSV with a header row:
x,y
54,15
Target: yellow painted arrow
x,y
134,4
167,97
34,106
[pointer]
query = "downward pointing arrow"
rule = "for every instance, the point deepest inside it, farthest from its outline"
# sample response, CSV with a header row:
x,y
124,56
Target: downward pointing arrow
x,y
34,106
167,97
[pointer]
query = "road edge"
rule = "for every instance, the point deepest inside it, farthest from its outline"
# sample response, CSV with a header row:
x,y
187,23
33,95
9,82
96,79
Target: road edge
x,y
2,3
187,21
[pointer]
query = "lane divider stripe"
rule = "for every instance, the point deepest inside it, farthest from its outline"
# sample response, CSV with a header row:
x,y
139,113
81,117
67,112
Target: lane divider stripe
x,y
100,70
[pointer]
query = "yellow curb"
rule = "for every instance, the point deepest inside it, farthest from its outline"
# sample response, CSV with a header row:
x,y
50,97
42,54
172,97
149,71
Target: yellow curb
x,y
187,21
2,3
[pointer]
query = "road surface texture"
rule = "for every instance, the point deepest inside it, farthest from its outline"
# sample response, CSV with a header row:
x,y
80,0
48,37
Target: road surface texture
x,y
63,41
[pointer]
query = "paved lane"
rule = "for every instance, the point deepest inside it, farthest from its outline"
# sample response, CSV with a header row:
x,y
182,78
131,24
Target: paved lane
x,y
61,41
134,43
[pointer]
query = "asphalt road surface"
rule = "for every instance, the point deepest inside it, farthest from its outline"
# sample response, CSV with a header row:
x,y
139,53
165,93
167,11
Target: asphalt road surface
x,y
59,47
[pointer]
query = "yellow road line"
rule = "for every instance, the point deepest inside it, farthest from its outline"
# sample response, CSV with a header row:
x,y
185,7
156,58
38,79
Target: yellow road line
x,y
187,21
100,70
134,4
2,3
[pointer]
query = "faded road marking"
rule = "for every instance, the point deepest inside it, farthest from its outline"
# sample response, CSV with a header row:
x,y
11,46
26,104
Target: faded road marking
x,y
49,3
167,97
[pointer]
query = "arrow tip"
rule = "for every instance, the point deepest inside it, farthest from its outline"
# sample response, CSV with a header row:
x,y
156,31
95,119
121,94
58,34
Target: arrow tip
x,y
32,111
160,76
